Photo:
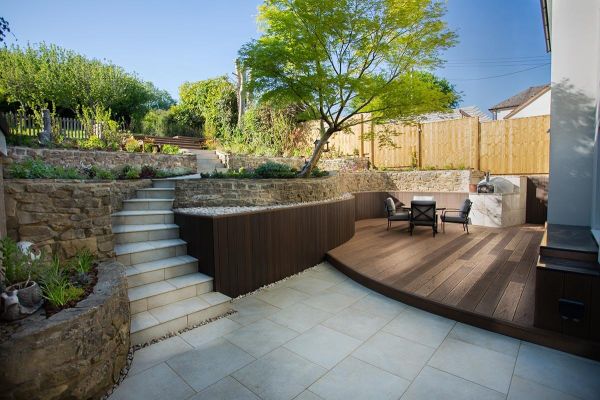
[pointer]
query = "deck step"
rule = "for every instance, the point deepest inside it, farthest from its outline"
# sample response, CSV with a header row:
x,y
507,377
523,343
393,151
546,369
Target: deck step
x,y
148,204
159,270
156,193
144,232
173,317
143,217
136,253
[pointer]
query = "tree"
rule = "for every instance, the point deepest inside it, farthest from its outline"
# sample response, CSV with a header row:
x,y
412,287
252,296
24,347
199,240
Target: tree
x,y
4,28
341,58
213,101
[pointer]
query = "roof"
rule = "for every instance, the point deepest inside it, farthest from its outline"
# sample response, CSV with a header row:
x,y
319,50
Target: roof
x,y
457,113
521,97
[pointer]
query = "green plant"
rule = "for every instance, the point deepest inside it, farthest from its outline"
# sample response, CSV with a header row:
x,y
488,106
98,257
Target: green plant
x,y
149,148
317,173
34,168
169,149
148,172
83,261
275,170
93,142
16,267
132,174
133,145
55,284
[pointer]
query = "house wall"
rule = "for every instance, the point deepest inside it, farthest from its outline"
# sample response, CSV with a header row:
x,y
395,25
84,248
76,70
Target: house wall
x,y
575,44
540,106
500,114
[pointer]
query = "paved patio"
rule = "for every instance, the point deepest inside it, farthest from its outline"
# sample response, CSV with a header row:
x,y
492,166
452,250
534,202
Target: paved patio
x,y
320,335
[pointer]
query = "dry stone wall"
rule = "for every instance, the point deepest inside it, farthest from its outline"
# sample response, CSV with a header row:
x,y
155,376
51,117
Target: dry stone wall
x,y
77,353
248,192
106,159
64,216
237,161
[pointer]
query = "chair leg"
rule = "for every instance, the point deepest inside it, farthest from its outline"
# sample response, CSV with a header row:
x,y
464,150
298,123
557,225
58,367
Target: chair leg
x,y
467,227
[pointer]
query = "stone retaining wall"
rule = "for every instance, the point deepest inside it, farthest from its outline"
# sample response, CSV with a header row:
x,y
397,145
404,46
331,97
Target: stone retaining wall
x,y
247,192
63,216
237,161
106,159
77,353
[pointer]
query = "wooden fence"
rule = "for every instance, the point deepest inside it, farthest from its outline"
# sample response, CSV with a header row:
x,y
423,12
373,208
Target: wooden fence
x,y
29,125
514,146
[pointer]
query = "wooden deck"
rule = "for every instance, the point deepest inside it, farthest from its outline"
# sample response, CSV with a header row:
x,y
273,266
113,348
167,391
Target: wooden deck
x,y
486,278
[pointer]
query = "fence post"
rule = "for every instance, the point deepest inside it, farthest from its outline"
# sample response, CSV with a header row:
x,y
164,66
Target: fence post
x,y
476,146
372,134
419,145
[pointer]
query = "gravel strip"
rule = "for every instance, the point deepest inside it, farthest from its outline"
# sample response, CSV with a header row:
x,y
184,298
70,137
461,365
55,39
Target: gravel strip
x,y
212,211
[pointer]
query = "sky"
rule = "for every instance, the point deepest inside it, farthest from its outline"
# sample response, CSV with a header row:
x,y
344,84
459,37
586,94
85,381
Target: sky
x,y
170,42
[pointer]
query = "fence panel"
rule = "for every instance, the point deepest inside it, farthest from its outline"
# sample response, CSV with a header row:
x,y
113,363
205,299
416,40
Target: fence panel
x,y
516,146
396,145
449,144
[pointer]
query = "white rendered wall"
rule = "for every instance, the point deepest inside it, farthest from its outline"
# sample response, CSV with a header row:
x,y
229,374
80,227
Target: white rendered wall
x,y
575,44
540,106
500,114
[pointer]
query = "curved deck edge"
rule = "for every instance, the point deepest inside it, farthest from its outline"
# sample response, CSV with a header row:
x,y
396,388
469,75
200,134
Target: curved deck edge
x,y
576,346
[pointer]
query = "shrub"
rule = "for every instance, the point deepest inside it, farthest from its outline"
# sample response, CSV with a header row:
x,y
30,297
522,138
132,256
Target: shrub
x,y
132,174
149,148
33,168
148,172
133,145
91,143
317,173
56,287
83,261
170,149
16,264
275,170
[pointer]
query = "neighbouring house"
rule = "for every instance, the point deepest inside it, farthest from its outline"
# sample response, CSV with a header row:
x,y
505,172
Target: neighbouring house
x,y
457,113
531,102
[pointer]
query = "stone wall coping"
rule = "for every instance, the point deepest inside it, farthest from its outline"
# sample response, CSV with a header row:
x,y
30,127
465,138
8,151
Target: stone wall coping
x,y
73,181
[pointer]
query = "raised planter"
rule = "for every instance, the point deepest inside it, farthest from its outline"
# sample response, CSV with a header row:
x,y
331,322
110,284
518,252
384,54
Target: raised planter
x,y
245,251
77,353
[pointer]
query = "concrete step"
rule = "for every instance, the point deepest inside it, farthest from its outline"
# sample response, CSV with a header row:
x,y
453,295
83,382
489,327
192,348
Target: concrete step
x,y
170,318
145,232
136,253
142,217
157,294
163,183
156,193
206,155
160,270
147,204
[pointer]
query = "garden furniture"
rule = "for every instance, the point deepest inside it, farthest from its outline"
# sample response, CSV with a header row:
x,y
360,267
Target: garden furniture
x,y
392,214
461,217
423,213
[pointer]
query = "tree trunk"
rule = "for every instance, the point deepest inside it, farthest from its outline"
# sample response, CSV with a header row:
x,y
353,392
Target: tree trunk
x,y
316,155
241,90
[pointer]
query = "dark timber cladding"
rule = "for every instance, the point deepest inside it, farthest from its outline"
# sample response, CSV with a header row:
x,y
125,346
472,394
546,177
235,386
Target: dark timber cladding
x,y
246,251
486,278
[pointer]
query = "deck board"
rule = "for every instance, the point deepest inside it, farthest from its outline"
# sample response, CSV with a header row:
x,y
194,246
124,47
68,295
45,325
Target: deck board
x,y
486,278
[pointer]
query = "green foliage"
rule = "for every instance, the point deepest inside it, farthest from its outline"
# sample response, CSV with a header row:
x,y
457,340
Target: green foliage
x,y
91,143
210,104
148,172
16,266
132,174
83,261
340,58
317,173
36,76
56,287
95,172
169,149
132,145
171,122
275,170
33,168
271,131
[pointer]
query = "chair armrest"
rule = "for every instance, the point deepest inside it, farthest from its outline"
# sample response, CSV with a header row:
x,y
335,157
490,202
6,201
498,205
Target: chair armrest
x,y
450,210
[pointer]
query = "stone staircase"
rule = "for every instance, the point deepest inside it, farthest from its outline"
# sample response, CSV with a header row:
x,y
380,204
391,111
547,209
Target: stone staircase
x,y
208,161
166,291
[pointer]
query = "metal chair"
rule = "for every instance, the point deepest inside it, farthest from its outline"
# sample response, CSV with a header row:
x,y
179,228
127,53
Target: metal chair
x,y
422,213
392,214
462,216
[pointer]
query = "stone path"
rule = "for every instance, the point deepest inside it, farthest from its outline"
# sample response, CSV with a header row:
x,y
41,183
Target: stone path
x,y
320,335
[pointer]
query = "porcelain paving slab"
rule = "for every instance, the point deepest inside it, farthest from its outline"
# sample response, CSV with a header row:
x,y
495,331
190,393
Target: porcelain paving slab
x,y
300,317
226,388
209,363
209,332
260,337
156,383
435,384
356,379
280,375
157,353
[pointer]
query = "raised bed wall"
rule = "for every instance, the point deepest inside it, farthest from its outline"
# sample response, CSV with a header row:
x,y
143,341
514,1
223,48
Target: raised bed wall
x,y
244,252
